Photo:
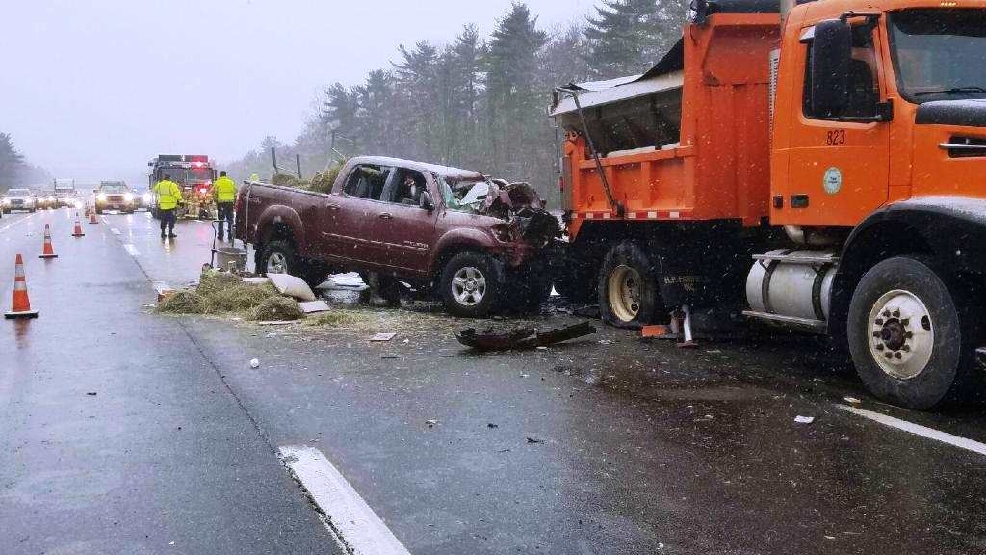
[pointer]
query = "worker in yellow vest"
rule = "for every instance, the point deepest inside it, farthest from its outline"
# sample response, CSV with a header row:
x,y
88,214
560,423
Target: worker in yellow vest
x,y
224,190
168,197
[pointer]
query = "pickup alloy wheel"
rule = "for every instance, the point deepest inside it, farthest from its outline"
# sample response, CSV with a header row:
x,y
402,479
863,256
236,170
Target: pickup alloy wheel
x,y
470,284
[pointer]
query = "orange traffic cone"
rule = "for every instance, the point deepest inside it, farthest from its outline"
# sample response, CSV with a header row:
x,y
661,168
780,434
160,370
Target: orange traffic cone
x,y
92,217
47,251
21,305
78,227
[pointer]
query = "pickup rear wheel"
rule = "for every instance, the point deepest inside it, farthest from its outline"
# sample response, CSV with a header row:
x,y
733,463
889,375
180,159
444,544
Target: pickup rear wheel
x,y
911,343
470,284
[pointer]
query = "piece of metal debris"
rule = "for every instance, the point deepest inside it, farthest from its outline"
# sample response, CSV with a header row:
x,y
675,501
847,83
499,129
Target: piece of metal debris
x,y
520,338
383,336
804,419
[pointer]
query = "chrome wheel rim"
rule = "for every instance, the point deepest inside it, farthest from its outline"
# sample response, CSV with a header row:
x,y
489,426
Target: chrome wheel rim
x,y
902,334
468,286
623,288
277,263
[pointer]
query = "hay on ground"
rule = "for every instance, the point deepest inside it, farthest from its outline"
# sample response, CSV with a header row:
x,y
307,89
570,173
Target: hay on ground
x,y
239,298
183,302
338,319
211,282
277,309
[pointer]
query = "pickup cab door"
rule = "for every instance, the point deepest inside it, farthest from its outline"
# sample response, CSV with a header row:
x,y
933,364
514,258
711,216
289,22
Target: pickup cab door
x,y
838,167
401,233
344,216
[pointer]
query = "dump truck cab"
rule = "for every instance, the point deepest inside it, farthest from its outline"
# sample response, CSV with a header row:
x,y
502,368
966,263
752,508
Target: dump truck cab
x,y
877,102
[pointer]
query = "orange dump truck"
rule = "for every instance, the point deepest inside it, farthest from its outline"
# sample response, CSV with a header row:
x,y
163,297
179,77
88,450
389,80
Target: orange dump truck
x,y
820,167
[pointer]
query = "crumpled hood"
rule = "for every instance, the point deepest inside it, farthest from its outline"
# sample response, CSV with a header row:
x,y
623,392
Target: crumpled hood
x,y
968,112
522,208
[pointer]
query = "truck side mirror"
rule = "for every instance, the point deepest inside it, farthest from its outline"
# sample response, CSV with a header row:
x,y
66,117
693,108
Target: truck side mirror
x,y
426,202
831,56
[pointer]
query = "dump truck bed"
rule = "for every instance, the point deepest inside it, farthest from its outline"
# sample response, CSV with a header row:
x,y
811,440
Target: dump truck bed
x,y
688,140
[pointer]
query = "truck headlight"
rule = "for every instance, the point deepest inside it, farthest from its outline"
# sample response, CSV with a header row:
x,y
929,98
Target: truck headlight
x,y
101,197
128,197
6,201
146,197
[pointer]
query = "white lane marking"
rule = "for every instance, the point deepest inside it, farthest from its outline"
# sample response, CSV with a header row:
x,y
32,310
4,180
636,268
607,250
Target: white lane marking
x,y
348,513
917,429
131,249
115,231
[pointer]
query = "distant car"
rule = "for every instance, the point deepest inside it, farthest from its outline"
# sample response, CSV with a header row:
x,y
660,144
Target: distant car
x,y
19,199
115,195
144,199
46,201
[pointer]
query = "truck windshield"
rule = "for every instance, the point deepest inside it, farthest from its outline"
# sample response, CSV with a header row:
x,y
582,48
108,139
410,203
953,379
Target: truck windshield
x,y
465,196
113,188
940,54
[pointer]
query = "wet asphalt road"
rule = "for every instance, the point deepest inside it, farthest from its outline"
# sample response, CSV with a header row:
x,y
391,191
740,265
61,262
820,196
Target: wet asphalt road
x,y
616,446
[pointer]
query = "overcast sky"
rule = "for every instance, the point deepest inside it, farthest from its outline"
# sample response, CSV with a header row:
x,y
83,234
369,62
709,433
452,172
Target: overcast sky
x,y
93,89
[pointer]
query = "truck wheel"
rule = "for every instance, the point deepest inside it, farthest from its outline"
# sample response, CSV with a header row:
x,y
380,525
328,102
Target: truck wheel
x,y
628,294
911,345
470,284
279,257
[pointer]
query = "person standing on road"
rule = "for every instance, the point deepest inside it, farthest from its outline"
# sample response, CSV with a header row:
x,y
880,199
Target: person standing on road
x,y
225,192
168,196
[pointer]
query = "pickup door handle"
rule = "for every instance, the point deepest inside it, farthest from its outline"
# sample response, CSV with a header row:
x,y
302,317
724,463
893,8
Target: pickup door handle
x,y
332,206
385,216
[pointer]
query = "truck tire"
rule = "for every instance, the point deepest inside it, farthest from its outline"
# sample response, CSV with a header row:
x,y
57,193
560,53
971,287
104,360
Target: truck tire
x,y
628,288
911,344
470,284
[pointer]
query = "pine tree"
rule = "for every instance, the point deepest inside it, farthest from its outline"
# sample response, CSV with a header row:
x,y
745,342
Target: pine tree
x,y
630,36
418,101
11,162
515,102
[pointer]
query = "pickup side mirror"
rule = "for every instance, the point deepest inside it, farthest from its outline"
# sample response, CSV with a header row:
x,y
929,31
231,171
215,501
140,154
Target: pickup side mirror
x,y
831,55
426,202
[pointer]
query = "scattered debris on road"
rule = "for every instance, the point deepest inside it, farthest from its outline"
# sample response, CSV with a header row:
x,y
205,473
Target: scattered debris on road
x,y
431,423
492,426
254,363
520,338
292,287
852,400
314,307
534,440
383,336
804,419
91,393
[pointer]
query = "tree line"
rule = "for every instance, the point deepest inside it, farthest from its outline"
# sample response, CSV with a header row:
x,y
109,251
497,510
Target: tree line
x,y
478,102
15,171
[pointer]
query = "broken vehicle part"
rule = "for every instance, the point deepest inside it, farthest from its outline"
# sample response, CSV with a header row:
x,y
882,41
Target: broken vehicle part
x,y
520,338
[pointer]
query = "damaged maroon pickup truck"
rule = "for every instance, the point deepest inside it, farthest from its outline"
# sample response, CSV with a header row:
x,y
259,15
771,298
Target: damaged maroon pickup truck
x,y
477,244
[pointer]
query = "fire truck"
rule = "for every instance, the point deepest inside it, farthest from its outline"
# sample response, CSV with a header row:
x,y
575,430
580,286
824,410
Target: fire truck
x,y
817,167
194,174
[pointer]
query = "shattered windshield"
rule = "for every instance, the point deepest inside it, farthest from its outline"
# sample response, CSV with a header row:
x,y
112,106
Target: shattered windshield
x,y
464,195
940,53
